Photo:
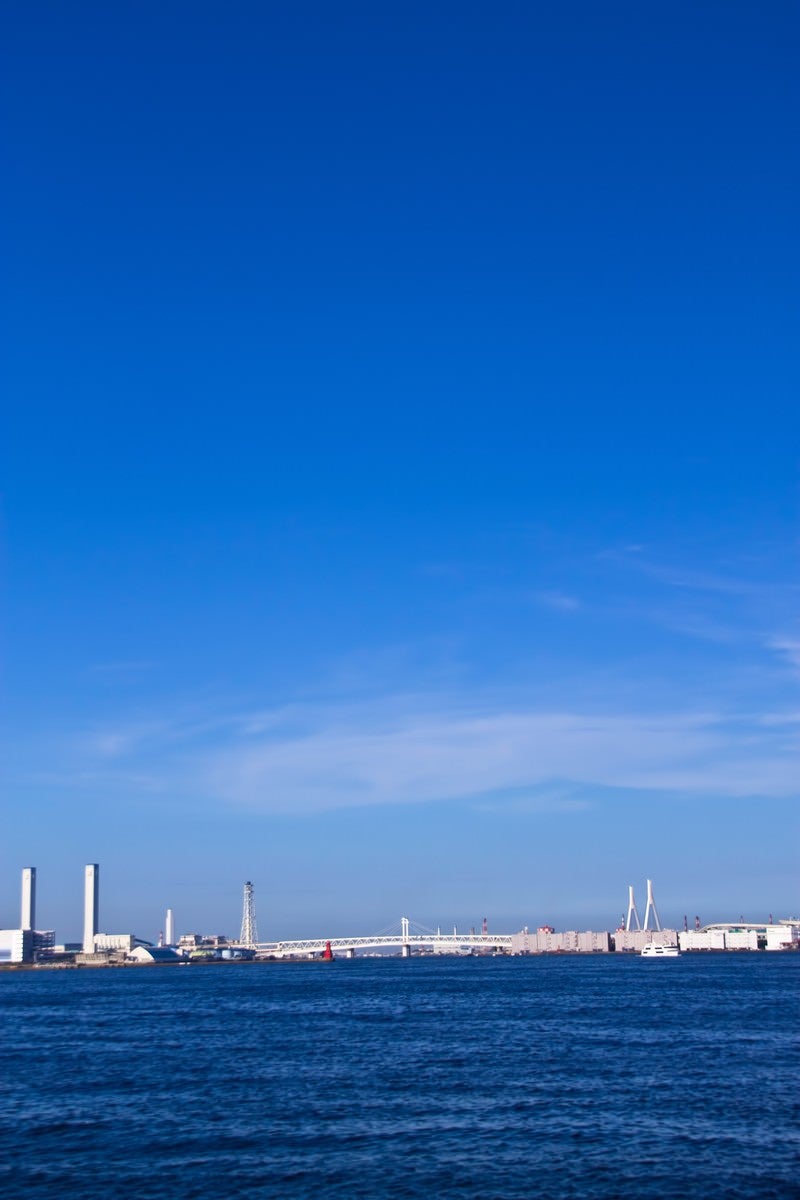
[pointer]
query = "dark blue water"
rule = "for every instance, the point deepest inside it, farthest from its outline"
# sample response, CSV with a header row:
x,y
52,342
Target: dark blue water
x,y
479,1078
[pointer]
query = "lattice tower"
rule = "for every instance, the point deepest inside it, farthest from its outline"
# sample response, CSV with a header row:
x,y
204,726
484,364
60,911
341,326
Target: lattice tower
x,y
249,934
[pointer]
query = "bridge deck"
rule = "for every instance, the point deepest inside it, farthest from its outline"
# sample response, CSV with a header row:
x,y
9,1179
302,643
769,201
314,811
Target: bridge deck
x,y
441,942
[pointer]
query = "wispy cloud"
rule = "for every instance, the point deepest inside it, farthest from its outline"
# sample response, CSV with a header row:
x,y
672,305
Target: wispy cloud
x,y
716,606
688,622
699,581
788,648
120,672
560,601
453,755
413,750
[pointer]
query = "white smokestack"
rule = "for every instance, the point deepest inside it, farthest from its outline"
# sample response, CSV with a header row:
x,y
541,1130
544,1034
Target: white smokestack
x,y
169,929
91,906
28,911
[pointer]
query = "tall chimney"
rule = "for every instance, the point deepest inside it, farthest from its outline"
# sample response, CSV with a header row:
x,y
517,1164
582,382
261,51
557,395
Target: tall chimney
x,y
28,911
170,929
91,906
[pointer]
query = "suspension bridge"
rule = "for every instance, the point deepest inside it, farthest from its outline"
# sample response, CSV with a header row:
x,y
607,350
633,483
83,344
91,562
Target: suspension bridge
x,y
403,939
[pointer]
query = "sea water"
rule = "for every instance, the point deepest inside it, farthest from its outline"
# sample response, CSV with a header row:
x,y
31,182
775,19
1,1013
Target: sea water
x,y
551,1076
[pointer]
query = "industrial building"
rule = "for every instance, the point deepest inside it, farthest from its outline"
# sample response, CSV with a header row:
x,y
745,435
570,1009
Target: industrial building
x,y
633,941
16,945
741,939
21,945
154,954
702,939
547,941
120,942
785,935
28,945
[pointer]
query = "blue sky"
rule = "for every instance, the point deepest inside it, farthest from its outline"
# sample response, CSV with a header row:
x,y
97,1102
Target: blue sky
x,y
399,462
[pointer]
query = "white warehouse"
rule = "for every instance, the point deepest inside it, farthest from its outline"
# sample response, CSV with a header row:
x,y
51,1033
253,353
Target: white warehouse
x,y
16,945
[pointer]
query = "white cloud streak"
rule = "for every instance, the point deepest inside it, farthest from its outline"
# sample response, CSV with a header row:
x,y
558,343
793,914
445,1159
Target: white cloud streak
x,y
560,601
447,756
789,650
412,750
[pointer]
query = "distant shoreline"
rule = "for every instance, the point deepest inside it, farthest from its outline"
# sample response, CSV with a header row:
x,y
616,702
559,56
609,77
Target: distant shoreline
x,y
241,962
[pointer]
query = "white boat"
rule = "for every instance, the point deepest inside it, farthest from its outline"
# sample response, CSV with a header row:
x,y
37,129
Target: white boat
x,y
657,950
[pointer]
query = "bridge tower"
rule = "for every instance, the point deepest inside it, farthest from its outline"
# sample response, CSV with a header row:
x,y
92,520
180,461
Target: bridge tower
x,y
632,911
405,949
249,935
651,907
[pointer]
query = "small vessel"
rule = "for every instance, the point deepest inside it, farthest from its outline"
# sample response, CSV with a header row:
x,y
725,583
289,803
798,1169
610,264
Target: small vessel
x,y
657,950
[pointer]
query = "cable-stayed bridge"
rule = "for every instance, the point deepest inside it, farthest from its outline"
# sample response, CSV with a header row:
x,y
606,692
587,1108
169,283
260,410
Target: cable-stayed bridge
x,y
405,938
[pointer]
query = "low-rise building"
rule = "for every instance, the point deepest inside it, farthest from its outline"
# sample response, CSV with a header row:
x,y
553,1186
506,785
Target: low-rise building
x,y
741,939
633,941
16,945
547,941
783,936
593,942
702,939
44,941
204,941
154,954
123,942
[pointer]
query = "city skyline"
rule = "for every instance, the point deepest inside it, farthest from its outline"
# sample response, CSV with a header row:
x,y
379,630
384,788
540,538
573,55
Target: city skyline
x,y
92,923
400,468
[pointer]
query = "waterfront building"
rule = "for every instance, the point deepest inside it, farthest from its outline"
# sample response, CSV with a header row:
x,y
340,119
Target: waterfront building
x,y
743,935
124,942
592,942
154,954
204,941
633,941
702,939
741,939
16,945
783,936
547,941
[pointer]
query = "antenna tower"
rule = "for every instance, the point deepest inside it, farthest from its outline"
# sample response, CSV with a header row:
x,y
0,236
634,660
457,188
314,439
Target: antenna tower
x,y
249,935
651,907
